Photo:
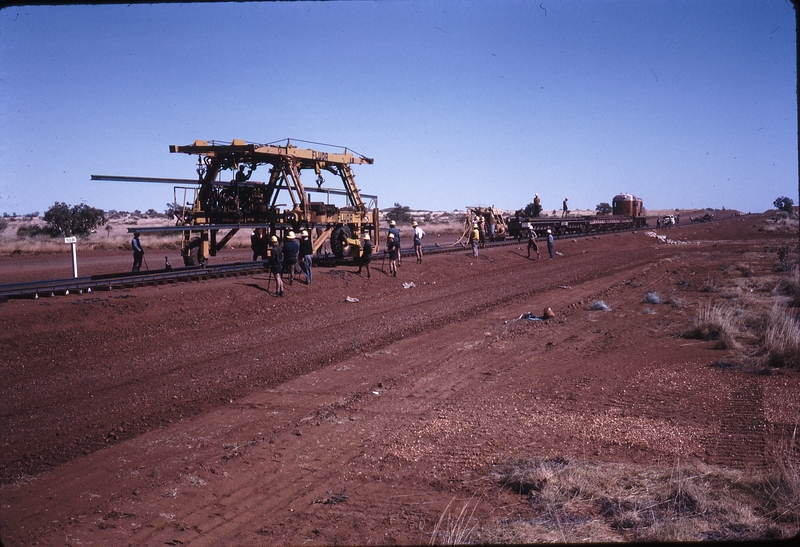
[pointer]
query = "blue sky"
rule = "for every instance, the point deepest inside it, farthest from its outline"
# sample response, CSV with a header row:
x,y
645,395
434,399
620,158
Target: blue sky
x,y
682,103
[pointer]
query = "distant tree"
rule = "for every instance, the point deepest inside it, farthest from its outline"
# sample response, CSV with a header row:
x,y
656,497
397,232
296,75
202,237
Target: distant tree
x,y
784,204
399,213
151,213
528,211
78,220
176,211
604,208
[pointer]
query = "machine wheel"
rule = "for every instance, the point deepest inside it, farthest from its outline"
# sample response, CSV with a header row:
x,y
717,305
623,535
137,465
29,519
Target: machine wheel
x,y
339,241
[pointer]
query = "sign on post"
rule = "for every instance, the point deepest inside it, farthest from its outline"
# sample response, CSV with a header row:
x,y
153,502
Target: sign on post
x,y
73,240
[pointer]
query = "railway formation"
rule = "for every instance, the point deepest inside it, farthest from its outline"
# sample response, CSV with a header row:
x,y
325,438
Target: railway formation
x,y
212,208
128,280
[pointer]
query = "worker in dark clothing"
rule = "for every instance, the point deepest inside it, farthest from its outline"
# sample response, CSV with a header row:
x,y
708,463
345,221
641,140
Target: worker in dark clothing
x,y
258,242
393,249
291,249
550,243
306,255
138,252
393,229
276,265
366,255
532,243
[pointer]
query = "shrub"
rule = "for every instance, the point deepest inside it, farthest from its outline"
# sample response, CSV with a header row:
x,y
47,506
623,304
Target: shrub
x,y
652,297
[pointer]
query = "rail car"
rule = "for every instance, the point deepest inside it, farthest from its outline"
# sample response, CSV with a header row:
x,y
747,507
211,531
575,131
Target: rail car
x,y
627,214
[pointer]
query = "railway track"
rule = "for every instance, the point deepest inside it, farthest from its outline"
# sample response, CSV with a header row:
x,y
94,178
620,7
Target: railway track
x,y
127,280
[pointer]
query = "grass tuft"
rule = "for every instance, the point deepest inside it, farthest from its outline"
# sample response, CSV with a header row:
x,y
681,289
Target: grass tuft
x,y
716,322
782,338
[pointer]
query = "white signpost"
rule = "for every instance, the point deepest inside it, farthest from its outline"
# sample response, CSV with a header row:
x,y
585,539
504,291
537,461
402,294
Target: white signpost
x,y
73,240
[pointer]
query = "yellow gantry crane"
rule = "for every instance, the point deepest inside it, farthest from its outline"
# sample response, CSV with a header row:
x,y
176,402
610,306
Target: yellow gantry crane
x,y
214,202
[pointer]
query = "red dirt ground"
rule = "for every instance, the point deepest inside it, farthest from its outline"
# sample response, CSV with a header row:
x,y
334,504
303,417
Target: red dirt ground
x,y
214,413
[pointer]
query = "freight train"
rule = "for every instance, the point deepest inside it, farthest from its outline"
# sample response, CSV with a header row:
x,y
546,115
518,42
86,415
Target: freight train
x,y
627,214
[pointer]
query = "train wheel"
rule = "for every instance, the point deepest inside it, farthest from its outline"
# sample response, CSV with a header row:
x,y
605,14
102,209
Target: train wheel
x,y
339,241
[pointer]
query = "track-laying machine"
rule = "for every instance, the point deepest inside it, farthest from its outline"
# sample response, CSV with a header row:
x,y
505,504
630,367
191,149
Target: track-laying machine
x,y
215,202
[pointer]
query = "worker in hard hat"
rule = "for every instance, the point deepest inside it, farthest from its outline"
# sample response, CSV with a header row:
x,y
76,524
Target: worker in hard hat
x,y
474,239
550,243
291,249
393,229
419,233
366,255
276,264
393,249
306,255
537,206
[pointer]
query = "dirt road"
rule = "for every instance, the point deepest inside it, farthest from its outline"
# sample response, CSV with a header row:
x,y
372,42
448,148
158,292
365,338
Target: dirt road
x,y
214,413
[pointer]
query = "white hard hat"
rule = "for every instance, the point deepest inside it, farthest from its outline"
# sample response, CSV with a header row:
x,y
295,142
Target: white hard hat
x,y
366,237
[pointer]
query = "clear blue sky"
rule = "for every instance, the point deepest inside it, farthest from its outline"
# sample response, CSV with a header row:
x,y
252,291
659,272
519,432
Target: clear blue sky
x,y
684,103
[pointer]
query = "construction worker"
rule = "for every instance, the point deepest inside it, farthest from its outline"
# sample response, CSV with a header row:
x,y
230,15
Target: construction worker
x,y
138,252
532,242
393,249
564,209
276,265
550,243
393,229
306,255
418,235
537,206
474,239
366,255
291,248
258,242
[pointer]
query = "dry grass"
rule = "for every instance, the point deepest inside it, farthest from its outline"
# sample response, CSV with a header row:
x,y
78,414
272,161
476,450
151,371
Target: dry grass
x,y
455,530
782,338
716,321
112,236
573,502
790,287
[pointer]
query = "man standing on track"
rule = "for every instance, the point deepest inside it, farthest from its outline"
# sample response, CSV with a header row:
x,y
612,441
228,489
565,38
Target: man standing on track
x,y
418,235
138,252
550,243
